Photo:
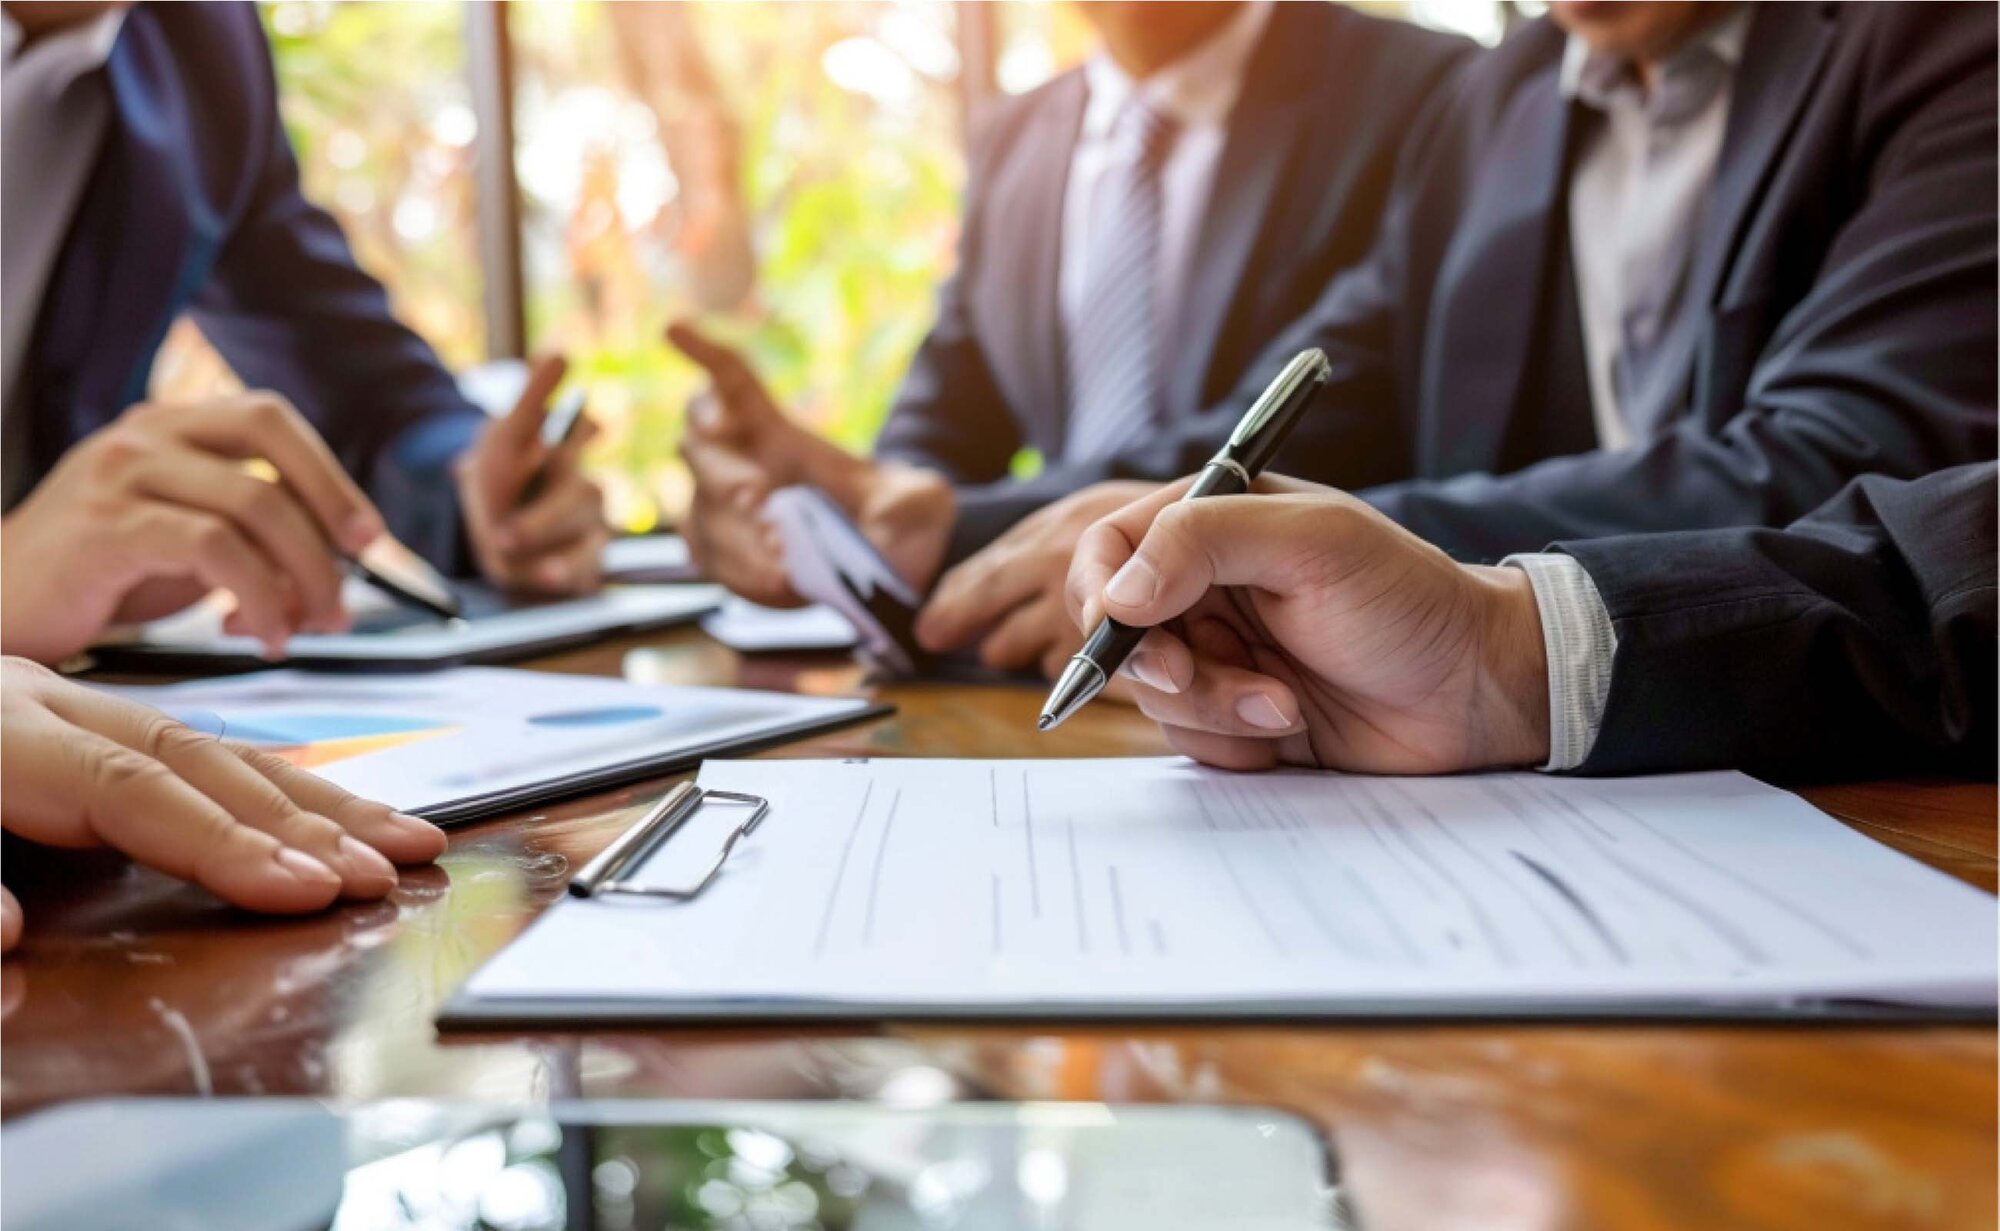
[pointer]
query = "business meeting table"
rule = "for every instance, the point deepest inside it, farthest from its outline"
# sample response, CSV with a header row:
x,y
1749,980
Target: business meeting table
x,y
127,984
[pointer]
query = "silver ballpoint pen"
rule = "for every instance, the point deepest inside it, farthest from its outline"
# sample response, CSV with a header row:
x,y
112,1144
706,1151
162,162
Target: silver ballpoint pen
x,y
1240,460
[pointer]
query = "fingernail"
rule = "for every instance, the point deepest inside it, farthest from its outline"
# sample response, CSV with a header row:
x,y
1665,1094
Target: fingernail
x,y
304,867
366,862
362,529
1134,585
414,824
1150,669
1260,711
420,830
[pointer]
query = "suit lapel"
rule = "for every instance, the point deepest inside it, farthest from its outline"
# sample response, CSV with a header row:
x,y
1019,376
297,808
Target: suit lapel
x,y
1782,57
1494,287
1031,213
163,246
1264,126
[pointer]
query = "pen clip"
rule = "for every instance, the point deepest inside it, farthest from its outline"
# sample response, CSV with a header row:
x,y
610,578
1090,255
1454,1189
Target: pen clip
x,y
1309,366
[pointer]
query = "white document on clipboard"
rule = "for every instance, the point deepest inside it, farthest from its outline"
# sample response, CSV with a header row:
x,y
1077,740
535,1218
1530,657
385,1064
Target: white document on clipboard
x,y
1156,887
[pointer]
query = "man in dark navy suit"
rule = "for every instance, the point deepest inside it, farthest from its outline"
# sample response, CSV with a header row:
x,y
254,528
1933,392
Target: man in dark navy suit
x,y
1136,231
148,174
1651,266
1668,275
1667,266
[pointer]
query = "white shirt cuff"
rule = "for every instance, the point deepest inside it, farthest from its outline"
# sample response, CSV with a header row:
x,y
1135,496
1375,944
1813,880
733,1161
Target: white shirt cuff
x,y
1579,643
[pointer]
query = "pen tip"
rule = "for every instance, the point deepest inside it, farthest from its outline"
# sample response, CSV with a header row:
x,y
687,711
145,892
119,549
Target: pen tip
x,y
1045,722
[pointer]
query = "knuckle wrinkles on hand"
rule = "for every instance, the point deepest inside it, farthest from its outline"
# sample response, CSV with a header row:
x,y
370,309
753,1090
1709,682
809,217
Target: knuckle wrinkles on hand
x,y
161,737
213,537
117,451
124,770
260,503
270,410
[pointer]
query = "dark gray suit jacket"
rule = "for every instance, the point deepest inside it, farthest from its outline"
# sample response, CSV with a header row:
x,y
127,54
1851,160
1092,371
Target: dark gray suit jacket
x,y
1845,276
1306,166
1859,641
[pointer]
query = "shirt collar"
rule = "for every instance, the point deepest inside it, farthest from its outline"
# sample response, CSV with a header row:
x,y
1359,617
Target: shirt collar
x,y
1598,80
79,49
1198,89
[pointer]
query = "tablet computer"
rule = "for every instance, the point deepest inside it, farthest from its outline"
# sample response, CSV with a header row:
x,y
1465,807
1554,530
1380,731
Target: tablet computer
x,y
391,637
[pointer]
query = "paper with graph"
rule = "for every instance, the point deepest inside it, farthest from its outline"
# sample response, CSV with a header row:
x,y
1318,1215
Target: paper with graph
x,y
417,741
1151,885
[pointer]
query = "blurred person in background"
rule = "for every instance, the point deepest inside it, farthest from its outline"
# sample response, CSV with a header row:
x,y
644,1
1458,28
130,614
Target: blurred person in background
x,y
147,173
1135,232
1653,266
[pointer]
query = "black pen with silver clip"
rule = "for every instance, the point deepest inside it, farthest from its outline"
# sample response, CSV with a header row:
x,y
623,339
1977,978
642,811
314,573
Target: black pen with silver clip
x,y
1230,472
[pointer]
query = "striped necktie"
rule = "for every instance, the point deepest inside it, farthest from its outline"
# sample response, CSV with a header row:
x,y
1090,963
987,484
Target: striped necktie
x,y
1114,366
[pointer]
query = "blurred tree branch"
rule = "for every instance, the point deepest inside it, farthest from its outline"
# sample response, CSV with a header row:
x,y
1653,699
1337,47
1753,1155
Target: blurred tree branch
x,y
659,52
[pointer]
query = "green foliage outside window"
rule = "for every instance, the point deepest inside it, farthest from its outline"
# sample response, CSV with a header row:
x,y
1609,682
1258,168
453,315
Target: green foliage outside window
x,y
850,169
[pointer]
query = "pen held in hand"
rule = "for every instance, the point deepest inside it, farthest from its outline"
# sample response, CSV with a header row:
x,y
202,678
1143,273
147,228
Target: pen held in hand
x,y
386,564
557,427
1230,472
403,575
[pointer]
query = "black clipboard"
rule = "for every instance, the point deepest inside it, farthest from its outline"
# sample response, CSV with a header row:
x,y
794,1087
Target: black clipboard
x,y
470,1012
464,1012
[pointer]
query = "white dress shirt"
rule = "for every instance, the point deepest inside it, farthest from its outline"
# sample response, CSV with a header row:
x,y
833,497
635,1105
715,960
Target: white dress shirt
x,y
54,107
1580,645
1636,195
1197,91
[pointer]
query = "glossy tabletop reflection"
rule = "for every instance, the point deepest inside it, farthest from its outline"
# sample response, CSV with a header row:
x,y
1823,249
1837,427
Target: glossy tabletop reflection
x,y
128,984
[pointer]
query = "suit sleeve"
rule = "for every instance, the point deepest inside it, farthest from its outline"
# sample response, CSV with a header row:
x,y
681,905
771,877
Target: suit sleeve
x,y
1859,640
291,311
1885,366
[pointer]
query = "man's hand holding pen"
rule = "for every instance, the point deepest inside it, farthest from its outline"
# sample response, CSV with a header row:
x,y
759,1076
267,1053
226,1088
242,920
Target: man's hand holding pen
x,y
1299,626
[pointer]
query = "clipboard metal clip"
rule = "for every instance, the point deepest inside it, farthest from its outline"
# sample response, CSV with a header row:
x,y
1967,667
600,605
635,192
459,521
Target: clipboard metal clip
x,y
660,823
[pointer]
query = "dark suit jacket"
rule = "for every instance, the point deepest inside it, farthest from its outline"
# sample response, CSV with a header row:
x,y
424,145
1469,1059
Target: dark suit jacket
x,y
1845,277
1860,640
1305,169
194,205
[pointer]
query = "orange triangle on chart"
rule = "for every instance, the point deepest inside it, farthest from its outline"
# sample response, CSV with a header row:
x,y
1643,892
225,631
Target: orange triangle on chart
x,y
328,751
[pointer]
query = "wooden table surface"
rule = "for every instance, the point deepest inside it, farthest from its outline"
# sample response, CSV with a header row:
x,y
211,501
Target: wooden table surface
x,y
128,984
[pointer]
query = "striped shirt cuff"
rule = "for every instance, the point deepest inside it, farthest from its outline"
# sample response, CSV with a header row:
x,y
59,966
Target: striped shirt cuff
x,y
1577,637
